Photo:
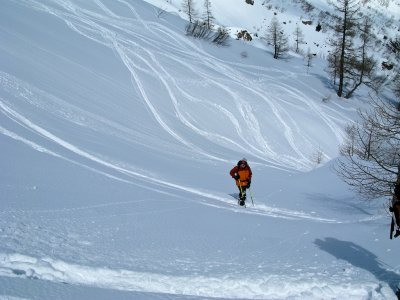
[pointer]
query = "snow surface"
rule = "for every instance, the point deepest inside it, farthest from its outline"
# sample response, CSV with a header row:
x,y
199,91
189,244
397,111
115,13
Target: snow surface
x,y
117,135
256,19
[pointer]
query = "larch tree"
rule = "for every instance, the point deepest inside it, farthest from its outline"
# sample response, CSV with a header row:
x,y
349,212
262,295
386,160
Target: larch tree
x,y
298,38
189,10
362,65
207,15
277,39
370,157
343,52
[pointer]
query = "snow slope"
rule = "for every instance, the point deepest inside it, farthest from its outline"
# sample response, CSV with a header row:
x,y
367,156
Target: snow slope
x,y
293,15
117,135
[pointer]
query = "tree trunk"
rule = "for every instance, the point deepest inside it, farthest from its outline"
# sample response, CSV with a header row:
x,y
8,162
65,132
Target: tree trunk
x,y
342,56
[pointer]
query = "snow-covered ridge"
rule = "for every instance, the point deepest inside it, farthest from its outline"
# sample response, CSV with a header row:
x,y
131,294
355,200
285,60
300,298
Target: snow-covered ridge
x,y
291,13
251,287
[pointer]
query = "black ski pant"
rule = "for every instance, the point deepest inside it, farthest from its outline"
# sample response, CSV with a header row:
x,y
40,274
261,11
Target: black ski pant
x,y
242,192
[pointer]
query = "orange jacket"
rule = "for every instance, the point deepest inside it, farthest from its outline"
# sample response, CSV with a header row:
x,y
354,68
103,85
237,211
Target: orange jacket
x,y
244,173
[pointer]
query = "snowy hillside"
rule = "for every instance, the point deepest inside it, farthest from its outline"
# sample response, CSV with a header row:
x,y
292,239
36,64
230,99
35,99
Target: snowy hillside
x,y
118,133
303,14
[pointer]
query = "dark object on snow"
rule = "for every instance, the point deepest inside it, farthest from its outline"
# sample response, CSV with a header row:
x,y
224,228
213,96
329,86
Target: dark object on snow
x,y
244,35
242,174
386,65
251,2
397,192
395,209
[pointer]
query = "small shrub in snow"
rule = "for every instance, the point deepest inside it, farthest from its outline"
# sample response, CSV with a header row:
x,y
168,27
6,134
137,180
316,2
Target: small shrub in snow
x,y
201,31
198,30
221,37
318,156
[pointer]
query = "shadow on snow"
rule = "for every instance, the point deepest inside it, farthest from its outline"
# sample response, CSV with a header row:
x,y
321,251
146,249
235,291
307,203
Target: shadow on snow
x,y
361,258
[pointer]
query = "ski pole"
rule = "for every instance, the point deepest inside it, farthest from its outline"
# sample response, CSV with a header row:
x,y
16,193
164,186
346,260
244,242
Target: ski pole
x,y
241,191
251,196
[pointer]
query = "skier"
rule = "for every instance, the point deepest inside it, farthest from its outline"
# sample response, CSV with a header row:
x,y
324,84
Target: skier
x,y
242,174
395,209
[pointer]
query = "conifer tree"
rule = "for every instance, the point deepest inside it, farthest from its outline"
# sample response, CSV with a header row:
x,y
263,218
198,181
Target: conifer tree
x,y
208,16
298,38
277,38
343,52
188,8
363,65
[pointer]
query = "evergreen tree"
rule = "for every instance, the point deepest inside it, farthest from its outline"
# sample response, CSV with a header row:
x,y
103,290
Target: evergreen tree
x,y
188,8
362,65
277,38
298,38
309,58
341,59
208,16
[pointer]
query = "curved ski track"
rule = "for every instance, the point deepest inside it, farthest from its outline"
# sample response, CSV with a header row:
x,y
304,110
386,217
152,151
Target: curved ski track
x,y
113,31
125,173
142,53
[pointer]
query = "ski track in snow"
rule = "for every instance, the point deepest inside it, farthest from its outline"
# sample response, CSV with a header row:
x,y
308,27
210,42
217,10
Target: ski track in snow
x,y
126,174
132,54
265,287
113,32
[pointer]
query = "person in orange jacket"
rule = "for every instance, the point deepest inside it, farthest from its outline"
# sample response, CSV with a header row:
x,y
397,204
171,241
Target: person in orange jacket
x,y
242,174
